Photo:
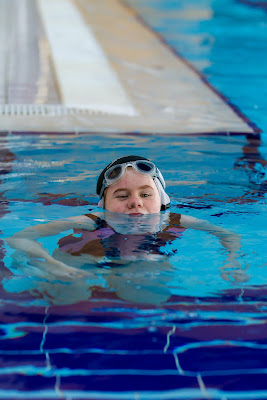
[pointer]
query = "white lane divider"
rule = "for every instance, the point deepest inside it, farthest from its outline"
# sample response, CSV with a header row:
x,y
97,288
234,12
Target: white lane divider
x,y
86,79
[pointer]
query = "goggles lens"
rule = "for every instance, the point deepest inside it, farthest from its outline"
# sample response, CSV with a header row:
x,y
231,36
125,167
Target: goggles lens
x,y
113,173
145,166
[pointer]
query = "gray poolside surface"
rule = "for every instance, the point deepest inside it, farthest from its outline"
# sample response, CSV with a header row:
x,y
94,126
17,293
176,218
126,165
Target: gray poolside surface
x,y
94,66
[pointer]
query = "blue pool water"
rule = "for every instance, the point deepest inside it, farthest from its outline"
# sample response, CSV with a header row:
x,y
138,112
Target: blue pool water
x,y
91,341
196,332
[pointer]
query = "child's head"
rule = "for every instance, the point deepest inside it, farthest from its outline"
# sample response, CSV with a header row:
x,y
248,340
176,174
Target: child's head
x,y
132,185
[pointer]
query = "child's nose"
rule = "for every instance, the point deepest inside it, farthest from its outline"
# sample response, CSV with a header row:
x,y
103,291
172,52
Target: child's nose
x,y
135,201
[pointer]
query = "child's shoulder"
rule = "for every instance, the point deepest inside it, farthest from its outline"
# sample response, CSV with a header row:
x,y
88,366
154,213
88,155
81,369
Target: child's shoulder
x,y
85,217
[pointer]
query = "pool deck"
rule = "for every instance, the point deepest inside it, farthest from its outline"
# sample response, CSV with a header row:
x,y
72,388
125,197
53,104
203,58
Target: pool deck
x,y
94,66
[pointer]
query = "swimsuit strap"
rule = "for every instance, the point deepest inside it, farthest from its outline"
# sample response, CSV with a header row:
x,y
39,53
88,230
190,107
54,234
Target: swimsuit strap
x,y
100,223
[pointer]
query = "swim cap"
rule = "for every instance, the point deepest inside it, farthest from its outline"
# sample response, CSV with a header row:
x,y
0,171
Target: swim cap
x,y
159,180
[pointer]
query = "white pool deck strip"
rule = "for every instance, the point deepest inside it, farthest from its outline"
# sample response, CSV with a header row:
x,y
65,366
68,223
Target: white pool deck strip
x,y
85,77
93,66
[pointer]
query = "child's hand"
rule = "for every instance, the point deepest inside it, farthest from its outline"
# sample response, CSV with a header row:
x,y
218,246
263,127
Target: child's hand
x,y
233,272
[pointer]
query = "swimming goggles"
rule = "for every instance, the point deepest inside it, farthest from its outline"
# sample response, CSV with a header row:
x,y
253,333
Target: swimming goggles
x,y
116,172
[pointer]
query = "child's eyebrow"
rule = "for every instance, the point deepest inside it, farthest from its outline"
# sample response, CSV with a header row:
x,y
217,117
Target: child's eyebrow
x,y
146,187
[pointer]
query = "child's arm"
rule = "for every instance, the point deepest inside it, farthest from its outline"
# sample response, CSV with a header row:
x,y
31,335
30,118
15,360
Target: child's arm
x,y
26,241
229,240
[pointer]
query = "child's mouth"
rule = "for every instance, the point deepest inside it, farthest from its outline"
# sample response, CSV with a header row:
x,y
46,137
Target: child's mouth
x,y
135,214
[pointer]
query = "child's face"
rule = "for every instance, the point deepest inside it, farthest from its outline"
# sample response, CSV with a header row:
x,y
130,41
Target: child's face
x,y
134,194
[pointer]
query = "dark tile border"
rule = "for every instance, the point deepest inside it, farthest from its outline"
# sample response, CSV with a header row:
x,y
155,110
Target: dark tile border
x,y
254,135
256,4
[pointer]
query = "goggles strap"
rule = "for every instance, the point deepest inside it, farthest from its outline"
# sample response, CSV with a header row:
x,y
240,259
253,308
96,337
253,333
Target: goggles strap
x,y
164,198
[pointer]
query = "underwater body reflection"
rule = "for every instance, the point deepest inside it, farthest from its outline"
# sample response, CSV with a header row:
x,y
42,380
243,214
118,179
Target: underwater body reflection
x,y
131,256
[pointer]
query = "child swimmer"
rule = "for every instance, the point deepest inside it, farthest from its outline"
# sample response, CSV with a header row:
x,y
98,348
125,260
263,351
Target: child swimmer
x,y
130,231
